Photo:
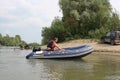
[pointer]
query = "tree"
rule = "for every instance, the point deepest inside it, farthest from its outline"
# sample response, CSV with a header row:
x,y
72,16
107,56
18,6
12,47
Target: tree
x,y
85,15
0,38
11,41
17,40
6,40
114,22
31,45
57,29
82,19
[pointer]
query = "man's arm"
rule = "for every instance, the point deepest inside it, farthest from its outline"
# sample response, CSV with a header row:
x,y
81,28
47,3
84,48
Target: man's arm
x,y
57,46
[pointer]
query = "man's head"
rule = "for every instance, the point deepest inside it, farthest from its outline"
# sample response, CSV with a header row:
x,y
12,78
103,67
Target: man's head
x,y
56,39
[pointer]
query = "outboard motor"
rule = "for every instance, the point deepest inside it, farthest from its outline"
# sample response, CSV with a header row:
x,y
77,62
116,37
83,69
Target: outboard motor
x,y
36,49
32,53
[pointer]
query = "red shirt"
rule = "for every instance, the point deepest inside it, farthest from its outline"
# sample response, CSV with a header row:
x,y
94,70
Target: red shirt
x,y
51,44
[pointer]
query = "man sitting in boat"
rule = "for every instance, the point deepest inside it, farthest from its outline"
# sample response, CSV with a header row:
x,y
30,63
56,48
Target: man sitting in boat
x,y
52,45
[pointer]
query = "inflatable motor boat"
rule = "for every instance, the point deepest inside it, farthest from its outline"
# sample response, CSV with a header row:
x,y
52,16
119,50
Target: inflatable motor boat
x,y
79,51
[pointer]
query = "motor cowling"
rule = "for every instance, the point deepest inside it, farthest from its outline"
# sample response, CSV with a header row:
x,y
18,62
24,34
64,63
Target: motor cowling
x,y
36,49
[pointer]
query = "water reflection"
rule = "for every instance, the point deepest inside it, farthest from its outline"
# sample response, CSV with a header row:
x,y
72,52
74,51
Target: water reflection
x,y
106,66
62,69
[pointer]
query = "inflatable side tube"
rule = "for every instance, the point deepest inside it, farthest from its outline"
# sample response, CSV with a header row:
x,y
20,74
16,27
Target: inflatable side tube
x,y
29,55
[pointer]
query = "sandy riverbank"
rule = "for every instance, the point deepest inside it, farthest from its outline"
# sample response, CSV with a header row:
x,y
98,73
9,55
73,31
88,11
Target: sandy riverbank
x,y
96,44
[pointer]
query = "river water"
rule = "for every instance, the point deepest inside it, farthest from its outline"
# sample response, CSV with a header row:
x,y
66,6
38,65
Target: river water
x,y
96,66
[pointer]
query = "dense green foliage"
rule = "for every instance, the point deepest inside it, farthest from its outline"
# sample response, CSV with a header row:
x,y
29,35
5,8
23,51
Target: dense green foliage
x,y
82,19
57,29
15,41
10,41
31,45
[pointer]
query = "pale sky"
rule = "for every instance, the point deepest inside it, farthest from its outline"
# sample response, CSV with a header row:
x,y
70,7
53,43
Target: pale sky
x,y
27,17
